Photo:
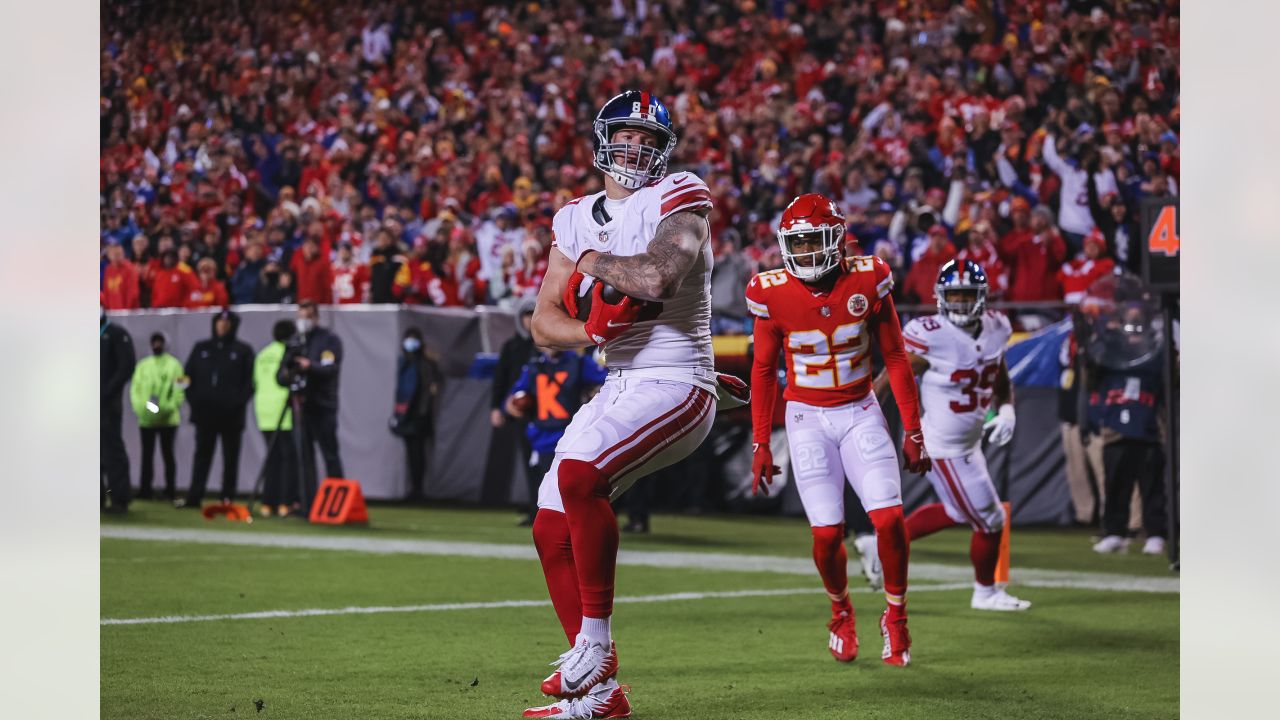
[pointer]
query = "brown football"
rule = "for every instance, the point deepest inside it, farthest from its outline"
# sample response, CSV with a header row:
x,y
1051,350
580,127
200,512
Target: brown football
x,y
586,296
522,402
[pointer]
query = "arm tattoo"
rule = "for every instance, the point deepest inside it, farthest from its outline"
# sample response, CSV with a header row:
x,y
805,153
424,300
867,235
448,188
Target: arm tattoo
x,y
656,273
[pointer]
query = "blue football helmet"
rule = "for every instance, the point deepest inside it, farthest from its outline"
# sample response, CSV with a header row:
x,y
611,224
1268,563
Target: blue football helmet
x,y
961,291
634,166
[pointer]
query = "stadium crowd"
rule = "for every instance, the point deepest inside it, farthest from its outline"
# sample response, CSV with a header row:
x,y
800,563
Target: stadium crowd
x,y
394,152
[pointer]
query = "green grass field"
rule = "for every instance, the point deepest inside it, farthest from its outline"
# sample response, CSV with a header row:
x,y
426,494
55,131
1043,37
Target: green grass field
x,y
1078,653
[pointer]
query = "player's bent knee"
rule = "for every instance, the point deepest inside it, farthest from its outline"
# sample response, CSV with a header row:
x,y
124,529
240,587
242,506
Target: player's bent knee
x,y
885,518
992,518
580,480
828,536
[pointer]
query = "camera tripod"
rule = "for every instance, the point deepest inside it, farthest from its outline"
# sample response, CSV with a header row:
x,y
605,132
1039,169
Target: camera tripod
x,y
294,404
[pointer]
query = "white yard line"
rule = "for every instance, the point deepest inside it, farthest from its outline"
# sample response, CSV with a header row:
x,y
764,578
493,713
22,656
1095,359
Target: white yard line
x,y
1026,577
189,559
319,612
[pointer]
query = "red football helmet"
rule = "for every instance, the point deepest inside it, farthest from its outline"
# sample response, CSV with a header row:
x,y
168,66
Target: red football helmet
x,y
809,218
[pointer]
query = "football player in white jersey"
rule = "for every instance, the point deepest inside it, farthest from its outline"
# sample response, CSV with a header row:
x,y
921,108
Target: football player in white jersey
x,y
959,354
646,235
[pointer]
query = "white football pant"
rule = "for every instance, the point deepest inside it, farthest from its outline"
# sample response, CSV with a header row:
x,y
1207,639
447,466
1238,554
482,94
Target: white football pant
x,y
632,427
830,445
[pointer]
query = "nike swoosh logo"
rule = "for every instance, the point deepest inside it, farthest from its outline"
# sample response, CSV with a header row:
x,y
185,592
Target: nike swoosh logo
x,y
678,182
613,324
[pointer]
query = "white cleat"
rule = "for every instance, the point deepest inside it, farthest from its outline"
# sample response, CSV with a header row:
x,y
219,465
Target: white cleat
x,y
582,667
997,600
1153,546
605,700
869,556
1112,544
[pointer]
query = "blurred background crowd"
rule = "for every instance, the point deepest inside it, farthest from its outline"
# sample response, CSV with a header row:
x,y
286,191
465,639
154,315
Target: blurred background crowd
x,y
395,152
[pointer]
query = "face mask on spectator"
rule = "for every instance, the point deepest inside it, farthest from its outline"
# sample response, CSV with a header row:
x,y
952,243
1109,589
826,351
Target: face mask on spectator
x,y
411,345
303,325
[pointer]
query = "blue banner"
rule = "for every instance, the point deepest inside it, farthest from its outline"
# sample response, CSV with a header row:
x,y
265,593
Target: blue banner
x,y
1034,361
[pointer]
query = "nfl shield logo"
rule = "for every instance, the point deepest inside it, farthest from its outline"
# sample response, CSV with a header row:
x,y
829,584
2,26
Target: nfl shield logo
x,y
604,236
824,311
858,304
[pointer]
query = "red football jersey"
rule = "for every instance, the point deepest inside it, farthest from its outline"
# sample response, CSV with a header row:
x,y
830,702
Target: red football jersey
x,y
350,284
826,338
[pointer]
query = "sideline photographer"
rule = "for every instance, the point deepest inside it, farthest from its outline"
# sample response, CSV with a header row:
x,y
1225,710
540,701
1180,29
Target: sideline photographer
x,y
311,367
275,421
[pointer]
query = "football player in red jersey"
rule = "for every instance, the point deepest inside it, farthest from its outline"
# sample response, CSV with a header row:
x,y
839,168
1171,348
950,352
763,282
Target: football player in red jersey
x,y
822,311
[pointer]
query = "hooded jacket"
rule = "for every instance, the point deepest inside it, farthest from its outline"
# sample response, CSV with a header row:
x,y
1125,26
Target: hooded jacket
x,y
221,372
156,379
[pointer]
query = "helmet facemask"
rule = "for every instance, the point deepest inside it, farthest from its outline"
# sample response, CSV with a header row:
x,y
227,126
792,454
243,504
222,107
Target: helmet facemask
x,y
963,305
633,165
810,264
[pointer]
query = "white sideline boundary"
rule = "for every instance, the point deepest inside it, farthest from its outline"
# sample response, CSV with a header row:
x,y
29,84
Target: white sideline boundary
x,y
440,607
1023,577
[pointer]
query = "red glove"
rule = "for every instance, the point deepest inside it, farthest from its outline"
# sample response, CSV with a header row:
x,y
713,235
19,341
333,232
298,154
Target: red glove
x,y
762,468
607,322
733,392
571,293
914,457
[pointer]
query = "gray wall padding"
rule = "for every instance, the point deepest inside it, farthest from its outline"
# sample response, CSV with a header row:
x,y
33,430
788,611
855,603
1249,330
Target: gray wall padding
x,y
463,452
370,340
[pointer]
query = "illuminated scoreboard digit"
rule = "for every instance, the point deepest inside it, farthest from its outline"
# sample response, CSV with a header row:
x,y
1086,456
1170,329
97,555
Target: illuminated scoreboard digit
x,y
1161,243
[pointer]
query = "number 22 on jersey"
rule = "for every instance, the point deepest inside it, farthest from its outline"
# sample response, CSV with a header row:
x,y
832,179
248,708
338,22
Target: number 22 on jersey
x,y
823,362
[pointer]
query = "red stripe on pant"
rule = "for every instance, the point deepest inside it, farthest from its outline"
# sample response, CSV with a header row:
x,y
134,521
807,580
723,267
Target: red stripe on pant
x,y
681,420
962,501
605,458
684,424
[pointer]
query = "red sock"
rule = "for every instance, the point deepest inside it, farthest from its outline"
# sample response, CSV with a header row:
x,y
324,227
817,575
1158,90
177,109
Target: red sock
x,y
593,530
551,537
833,565
927,520
984,552
891,538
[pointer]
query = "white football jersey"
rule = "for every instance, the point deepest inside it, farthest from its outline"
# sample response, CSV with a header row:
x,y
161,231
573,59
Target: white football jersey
x,y
956,390
489,244
679,339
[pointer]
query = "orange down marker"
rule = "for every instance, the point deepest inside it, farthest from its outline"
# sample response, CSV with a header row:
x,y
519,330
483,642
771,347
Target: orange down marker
x,y
1002,564
338,502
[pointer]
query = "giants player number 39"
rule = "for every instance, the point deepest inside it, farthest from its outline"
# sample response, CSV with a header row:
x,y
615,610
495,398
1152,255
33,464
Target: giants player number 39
x,y
959,354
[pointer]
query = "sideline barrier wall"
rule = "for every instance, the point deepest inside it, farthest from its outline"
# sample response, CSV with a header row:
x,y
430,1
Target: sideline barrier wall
x,y
371,344
1030,472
